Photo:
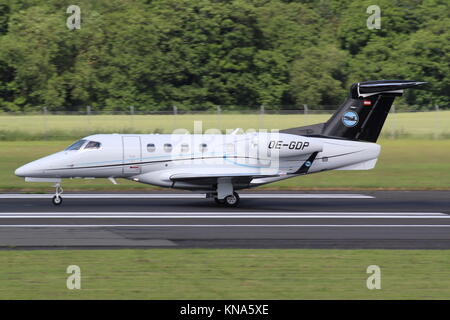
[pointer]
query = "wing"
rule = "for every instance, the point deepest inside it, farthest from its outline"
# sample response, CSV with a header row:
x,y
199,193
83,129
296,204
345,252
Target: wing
x,y
237,177
211,178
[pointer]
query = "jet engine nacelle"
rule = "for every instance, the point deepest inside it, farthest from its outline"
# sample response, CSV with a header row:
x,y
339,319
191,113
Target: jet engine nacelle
x,y
162,179
157,178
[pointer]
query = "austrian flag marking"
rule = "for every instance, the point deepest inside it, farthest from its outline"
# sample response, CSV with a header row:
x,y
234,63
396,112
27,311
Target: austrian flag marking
x,y
367,103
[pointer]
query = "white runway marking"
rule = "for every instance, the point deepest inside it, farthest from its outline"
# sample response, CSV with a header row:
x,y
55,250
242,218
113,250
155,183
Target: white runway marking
x,y
226,225
305,196
230,213
188,196
223,215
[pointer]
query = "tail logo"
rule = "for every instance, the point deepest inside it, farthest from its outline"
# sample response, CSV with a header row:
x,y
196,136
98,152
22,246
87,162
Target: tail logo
x,y
350,119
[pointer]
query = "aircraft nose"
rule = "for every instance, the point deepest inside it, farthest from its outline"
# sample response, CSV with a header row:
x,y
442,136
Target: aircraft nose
x,y
28,170
21,171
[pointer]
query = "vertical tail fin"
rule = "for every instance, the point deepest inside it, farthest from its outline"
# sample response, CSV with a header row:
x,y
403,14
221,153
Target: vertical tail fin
x,y
362,115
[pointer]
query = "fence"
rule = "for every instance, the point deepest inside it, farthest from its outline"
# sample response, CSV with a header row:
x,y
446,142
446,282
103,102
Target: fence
x,y
45,125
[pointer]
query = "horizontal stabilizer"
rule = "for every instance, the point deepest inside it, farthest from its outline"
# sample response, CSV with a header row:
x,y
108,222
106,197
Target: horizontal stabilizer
x,y
368,88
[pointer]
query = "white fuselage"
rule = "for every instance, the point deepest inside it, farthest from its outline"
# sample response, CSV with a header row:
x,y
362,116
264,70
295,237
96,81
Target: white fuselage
x,y
193,161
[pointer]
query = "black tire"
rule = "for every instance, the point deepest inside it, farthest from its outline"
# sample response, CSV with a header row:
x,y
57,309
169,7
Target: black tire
x,y
219,201
57,200
232,200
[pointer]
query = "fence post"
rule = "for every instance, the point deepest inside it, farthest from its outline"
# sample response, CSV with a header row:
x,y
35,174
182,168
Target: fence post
x,y
305,112
219,123
88,113
261,116
131,117
45,123
175,112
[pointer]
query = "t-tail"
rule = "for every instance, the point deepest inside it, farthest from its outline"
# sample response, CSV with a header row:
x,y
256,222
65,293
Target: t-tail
x,y
361,117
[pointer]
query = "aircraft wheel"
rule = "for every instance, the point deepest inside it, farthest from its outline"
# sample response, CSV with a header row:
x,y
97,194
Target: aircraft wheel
x,y
232,200
57,200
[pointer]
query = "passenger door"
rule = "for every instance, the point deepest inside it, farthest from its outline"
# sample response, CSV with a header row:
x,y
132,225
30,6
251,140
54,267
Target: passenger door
x,y
132,155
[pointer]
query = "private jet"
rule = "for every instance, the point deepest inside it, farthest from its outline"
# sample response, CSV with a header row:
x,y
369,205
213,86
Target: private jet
x,y
219,164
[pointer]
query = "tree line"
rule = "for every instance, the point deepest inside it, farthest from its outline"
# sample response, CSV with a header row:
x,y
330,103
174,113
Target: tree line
x,y
156,54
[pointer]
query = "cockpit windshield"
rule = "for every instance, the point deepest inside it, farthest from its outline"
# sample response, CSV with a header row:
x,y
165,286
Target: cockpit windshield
x,y
76,146
93,145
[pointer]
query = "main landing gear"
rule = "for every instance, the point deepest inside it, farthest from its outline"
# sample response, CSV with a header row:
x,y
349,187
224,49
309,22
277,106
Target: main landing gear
x,y
225,194
229,201
57,199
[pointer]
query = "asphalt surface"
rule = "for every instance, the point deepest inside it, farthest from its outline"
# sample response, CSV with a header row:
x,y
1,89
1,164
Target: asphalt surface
x,y
351,220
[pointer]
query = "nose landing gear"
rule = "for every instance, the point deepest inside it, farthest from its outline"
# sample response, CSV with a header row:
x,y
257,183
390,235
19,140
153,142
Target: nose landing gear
x,y
57,199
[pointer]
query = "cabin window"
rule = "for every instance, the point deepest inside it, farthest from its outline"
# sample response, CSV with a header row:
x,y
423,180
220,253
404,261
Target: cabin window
x,y
151,147
203,147
93,145
184,147
167,147
76,146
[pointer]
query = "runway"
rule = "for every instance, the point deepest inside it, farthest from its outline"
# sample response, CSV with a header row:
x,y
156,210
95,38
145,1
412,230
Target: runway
x,y
375,219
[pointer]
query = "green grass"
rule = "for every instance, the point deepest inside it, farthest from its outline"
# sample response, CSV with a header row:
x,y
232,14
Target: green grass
x,y
403,164
60,127
225,274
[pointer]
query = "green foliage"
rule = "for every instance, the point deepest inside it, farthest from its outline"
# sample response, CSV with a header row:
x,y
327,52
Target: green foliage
x,y
198,54
413,43
317,77
4,17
